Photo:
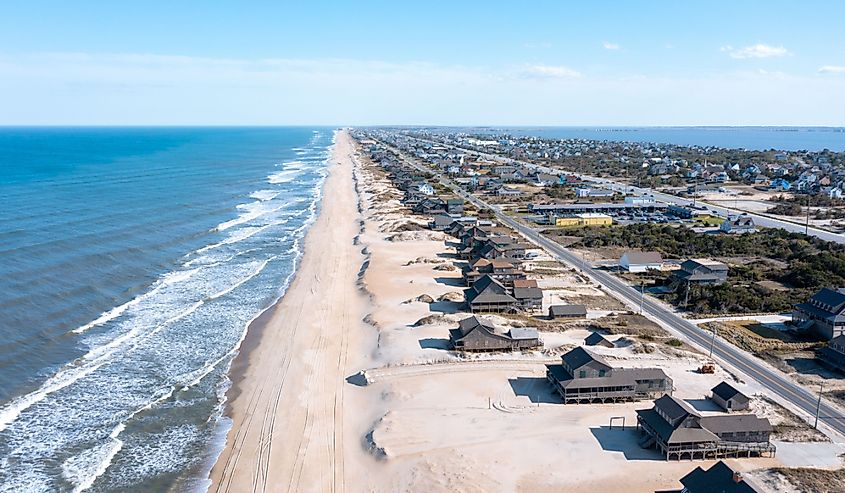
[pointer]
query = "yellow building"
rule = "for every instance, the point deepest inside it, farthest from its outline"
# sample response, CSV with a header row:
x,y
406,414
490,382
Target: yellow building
x,y
587,219
566,221
593,219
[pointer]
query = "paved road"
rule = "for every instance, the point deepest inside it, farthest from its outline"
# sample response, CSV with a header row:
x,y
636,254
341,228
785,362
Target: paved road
x,y
760,220
774,381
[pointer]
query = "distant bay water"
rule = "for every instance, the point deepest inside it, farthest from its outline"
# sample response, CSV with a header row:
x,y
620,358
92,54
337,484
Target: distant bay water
x,y
131,262
752,138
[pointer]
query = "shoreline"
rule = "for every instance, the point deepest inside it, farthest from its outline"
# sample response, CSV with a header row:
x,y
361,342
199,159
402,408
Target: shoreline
x,y
287,378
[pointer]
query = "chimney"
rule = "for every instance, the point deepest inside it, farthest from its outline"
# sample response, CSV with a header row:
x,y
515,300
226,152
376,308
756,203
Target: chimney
x,y
737,477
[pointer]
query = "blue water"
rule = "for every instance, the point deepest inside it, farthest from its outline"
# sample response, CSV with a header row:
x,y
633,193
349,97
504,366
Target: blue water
x,y
132,261
752,138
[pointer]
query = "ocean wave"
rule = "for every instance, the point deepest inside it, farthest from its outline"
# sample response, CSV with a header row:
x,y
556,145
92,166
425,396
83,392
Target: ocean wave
x,y
240,235
285,176
119,310
155,353
125,343
252,211
264,195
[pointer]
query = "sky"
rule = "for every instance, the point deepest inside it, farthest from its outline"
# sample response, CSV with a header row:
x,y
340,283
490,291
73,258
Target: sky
x,y
613,63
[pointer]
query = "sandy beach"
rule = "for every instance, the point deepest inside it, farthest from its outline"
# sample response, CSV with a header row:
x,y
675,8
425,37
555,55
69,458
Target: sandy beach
x,y
287,404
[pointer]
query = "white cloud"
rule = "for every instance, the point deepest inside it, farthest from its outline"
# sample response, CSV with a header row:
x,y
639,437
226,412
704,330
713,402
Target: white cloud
x,y
140,89
610,46
549,72
758,50
832,69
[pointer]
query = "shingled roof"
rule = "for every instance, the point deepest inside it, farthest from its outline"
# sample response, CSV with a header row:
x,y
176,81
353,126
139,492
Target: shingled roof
x,y
726,391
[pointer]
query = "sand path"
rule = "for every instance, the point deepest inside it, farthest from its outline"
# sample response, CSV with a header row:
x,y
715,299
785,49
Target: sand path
x,y
287,404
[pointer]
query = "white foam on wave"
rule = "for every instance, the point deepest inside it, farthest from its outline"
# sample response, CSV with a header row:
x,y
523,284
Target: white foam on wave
x,y
252,211
260,267
240,235
285,176
126,342
83,469
107,316
82,367
264,195
211,260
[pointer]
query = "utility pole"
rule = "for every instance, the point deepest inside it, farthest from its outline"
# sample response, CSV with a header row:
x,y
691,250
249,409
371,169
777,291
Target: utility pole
x,y
818,406
686,298
642,295
712,342
807,224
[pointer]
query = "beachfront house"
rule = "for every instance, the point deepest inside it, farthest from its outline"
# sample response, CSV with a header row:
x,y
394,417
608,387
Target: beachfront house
x,y
569,312
640,261
585,377
678,432
729,398
489,295
498,268
430,206
719,478
441,222
528,299
823,313
455,206
477,334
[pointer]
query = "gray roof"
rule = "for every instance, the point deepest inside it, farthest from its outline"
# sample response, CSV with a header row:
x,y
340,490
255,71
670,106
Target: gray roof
x,y
719,478
710,264
727,423
557,310
640,258
688,435
596,338
673,407
566,381
487,290
522,333
527,293
726,391
468,324
579,357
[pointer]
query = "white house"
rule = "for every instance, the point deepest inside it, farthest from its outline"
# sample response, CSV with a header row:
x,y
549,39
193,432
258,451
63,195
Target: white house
x,y
640,261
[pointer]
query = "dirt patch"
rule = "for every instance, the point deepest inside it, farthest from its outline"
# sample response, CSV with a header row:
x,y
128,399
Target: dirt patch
x,y
631,324
596,302
809,480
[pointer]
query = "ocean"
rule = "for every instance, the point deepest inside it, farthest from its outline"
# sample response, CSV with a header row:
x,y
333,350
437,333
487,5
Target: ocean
x,y
133,260
752,138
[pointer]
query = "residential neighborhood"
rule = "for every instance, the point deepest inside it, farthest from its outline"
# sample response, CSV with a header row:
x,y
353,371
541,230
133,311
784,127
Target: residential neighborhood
x,y
510,301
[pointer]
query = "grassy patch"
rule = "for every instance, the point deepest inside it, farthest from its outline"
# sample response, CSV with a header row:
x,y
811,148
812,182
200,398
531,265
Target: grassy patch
x,y
811,480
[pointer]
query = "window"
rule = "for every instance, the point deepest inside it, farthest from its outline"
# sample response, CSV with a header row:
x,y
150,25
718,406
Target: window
x,y
582,374
601,373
